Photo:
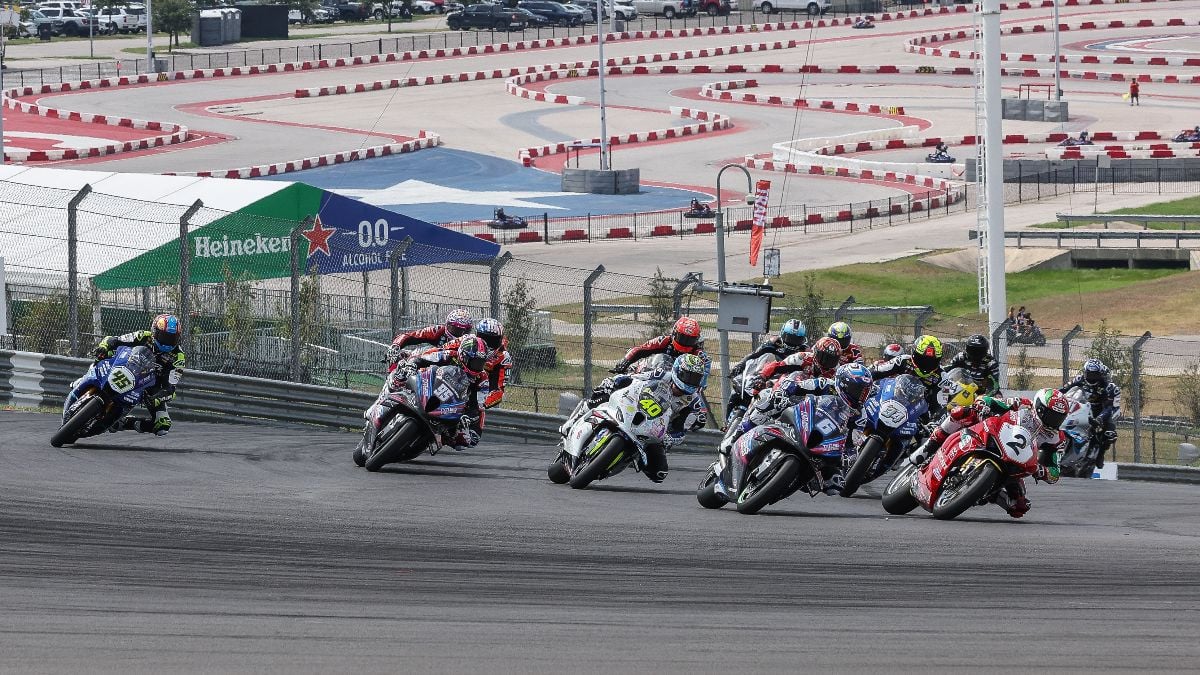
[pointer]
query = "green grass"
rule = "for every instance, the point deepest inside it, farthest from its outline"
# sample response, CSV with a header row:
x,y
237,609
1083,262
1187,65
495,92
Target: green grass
x,y
1188,206
909,281
159,50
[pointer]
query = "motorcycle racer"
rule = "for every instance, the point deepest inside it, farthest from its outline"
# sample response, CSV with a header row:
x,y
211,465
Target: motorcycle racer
x,y
163,339
497,366
688,412
684,338
840,331
471,356
1105,398
924,363
890,352
822,361
457,323
979,364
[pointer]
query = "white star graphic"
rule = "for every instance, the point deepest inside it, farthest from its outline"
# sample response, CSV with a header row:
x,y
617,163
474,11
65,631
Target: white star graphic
x,y
420,192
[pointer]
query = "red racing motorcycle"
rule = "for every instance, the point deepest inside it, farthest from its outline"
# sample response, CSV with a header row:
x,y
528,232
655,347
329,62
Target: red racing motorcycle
x,y
970,469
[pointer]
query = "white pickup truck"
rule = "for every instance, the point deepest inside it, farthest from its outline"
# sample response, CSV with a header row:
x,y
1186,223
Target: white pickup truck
x,y
813,7
666,8
121,20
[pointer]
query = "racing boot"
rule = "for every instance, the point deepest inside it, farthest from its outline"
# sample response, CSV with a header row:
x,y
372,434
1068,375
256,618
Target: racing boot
x,y
1013,499
131,424
926,450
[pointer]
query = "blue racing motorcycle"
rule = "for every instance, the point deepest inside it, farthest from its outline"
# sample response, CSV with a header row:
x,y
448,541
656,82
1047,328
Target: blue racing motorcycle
x,y
110,389
889,421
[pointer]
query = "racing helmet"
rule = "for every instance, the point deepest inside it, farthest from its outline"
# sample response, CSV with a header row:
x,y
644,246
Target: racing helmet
x,y
688,372
892,351
1051,408
793,334
472,355
957,389
458,322
1095,372
840,331
827,354
685,335
491,332
976,348
164,332
926,355
853,383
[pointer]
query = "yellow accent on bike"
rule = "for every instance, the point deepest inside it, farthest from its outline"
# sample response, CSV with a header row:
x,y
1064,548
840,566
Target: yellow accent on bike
x,y
650,407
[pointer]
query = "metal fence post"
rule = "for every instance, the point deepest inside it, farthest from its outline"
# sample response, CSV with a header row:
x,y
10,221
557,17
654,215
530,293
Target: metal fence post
x,y
1135,382
587,328
97,317
394,287
688,280
185,270
919,323
73,267
841,310
293,248
494,283
1066,351
1000,350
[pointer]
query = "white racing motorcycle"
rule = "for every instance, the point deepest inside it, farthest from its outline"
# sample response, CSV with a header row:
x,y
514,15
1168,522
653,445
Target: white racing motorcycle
x,y
605,440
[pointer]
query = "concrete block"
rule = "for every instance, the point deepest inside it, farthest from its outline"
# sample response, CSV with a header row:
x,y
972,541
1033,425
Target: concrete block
x,y
1055,111
595,181
1034,109
1013,108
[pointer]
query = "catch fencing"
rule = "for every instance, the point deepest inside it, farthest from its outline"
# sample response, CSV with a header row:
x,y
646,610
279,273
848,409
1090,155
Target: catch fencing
x,y
566,326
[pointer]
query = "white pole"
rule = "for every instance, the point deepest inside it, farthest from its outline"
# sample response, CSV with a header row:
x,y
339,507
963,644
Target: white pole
x,y
604,159
3,302
1057,65
149,39
994,172
3,49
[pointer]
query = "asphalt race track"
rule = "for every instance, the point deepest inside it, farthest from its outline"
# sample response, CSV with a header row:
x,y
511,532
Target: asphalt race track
x,y
252,548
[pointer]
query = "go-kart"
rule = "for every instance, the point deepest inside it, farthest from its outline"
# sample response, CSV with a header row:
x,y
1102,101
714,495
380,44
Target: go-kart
x,y
1073,142
508,223
704,211
1188,137
939,158
864,23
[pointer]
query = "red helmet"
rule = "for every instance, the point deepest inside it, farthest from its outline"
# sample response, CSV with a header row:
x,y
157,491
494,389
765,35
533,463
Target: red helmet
x,y
685,336
472,355
892,351
827,354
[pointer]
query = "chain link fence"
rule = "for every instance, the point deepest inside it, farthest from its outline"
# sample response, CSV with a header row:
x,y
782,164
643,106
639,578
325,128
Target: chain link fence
x,y
566,326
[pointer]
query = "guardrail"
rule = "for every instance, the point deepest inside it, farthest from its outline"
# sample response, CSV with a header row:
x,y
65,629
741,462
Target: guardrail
x,y
1137,236
1144,218
41,380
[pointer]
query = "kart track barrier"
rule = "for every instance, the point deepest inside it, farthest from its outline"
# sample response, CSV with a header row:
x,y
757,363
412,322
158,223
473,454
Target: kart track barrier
x,y
1144,218
1099,236
41,380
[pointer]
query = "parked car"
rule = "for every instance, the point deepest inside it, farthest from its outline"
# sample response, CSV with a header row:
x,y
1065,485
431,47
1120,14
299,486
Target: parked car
x,y
29,28
99,27
73,24
624,10
555,13
714,7
347,11
666,8
427,7
585,15
60,4
813,7
486,16
533,20
317,15
121,20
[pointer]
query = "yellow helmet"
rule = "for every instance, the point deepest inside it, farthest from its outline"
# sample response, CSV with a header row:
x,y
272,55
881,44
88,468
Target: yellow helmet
x,y
926,354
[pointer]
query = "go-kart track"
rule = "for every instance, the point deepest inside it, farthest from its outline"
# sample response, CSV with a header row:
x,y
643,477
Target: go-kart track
x,y
259,548
864,105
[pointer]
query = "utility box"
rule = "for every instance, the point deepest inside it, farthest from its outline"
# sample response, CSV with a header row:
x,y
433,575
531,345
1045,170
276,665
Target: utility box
x,y
744,312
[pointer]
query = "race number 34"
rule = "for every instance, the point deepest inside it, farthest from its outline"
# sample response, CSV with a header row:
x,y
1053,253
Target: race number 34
x,y
373,234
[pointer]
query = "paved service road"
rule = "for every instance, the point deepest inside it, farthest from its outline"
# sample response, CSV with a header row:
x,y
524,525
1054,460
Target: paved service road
x,y
227,548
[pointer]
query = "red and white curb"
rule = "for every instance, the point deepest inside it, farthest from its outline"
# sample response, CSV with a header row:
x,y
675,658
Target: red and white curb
x,y
709,122
721,91
426,140
950,192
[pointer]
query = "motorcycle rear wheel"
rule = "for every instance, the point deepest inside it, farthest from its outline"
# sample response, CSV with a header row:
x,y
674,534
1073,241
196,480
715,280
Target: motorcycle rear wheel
x,y
857,475
975,486
706,492
405,436
773,488
69,432
897,496
595,465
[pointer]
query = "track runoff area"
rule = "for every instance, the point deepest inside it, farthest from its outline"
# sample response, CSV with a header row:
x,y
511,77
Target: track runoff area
x,y
253,547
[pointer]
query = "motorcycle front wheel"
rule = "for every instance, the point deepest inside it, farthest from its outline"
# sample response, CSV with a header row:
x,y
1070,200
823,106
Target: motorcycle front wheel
x,y
758,495
706,492
897,496
598,460
385,453
69,432
857,475
971,487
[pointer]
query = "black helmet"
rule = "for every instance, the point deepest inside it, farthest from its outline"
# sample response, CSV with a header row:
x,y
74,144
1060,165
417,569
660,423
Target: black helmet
x,y
976,348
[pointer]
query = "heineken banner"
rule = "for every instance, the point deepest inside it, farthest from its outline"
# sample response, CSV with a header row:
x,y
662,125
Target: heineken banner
x,y
343,236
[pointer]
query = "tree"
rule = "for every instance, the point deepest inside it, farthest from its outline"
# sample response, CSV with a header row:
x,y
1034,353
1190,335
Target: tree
x,y
311,319
1187,392
812,305
662,305
43,324
1108,348
237,317
1022,374
520,326
172,17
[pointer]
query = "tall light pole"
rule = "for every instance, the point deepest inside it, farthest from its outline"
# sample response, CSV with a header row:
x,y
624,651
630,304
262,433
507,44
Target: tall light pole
x,y
721,274
994,166
1057,74
149,38
605,164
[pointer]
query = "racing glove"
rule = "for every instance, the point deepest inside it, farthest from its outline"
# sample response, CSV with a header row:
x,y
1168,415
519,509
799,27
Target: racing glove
x,y
621,367
101,352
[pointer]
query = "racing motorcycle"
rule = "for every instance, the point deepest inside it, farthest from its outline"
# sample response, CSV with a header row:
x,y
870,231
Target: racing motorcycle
x,y
969,469
601,442
740,388
110,389
1083,434
770,462
418,410
889,421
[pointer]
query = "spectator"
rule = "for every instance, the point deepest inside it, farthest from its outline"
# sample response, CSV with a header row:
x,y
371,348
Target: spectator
x,y
1133,93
